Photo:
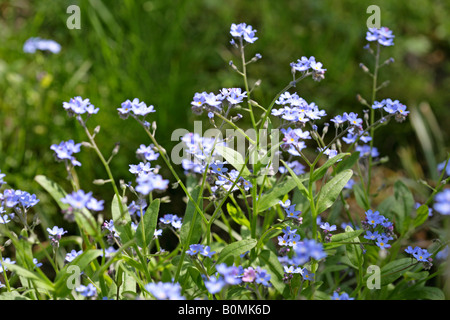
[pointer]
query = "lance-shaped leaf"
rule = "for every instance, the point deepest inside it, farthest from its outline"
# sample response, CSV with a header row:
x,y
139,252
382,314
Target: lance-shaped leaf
x,y
147,225
331,190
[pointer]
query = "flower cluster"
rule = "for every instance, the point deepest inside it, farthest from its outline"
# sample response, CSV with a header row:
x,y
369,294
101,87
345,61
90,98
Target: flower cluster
x,y
341,296
242,31
199,151
165,290
378,228
421,255
229,181
79,200
70,256
147,177
17,200
302,252
290,238
65,150
293,140
295,109
382,35
235,275
211,102
170,219
135,108
392,107
196,249
111,233
55,235
306,64
79,106
87,291
36,43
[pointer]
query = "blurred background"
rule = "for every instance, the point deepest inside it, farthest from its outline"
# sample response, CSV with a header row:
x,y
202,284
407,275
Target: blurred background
x,y
163,52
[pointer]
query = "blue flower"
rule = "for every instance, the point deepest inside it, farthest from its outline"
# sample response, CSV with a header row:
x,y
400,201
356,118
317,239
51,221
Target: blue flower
x,y
231,275
366,150
373,218
442,202
307,275
327,227
440,167
80,200
2,175
342,296
148,182
421,254
371,235
4,219
262,277
194,249
147,152
6,260
382,35
214,284
36,263
36,43
87,291
55,235
218,168
165,290
243,31
352,119
291,212
171,219
308,249
79,106
382,242
65,151
135,107
72,255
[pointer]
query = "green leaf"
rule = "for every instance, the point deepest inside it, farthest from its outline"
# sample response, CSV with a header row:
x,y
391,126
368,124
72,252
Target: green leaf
x,y
354,251
189,217
330,191
395,269
348,163
421,292
320,172
13,295
84,219
34,277
272,198
404,206
342,237
54,189
269,261
234,158
299,182
78,264
237,215
360,197
147,225
235,249
421,215
121,224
